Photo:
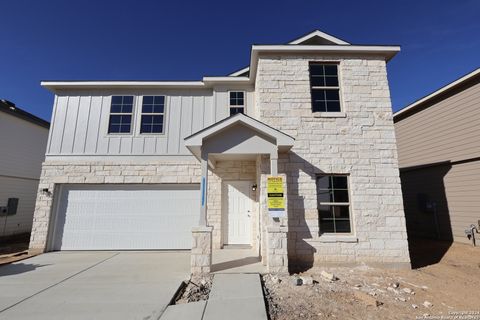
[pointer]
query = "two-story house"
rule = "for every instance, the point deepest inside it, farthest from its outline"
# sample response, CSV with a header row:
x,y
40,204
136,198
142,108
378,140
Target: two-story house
x,y
294,155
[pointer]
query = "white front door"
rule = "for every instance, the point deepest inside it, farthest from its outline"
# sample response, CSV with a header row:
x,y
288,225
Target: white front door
x,y
239,212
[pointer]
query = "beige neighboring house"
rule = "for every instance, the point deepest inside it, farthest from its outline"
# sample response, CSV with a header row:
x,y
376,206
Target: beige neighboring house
x,y
23,140
438,140
150,164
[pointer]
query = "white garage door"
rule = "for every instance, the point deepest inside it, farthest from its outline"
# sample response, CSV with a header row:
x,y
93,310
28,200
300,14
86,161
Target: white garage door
x,y
123,217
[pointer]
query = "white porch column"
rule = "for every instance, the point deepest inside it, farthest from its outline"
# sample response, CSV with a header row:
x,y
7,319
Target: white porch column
x,y
274,163
204,189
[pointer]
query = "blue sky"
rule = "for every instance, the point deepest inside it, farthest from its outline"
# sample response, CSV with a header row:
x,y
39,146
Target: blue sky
x,y
185,40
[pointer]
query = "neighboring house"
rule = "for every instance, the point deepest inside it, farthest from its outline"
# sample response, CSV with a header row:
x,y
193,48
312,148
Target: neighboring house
x,y
23,140
439,154
127,161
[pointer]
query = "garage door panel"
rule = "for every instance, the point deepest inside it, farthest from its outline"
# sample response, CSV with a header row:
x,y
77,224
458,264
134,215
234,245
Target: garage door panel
x,y
126,217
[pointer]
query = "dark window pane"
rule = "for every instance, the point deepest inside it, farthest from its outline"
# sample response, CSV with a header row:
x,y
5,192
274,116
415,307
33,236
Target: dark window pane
x,y
127,108
341,212
147,100
233,102
147,119
240,102
115,119
145,128
127,100
332,95
125,128
325,212
126,120
113,128
317,81
319,106
159,100
147,108
117,99
318,95
316,69
240,94
324,196
234,111
331,81
158,108
333,106
340,182
157,119
158,128
326,226
330,69
340,196
342,226
116,108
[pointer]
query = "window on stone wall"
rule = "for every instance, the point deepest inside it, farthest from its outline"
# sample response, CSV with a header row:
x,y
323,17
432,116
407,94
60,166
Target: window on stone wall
x,y
237,102
324,86
333,204
121,114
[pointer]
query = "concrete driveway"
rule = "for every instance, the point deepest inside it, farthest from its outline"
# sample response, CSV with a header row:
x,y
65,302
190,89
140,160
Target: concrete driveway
x,y
91,285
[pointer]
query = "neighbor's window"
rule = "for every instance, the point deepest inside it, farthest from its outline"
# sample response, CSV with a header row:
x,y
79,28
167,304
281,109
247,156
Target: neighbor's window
x,y
153,112
333,204
121,112
237,102
324,87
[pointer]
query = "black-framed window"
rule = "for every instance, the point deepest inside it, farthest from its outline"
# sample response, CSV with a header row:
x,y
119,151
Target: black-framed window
x,y
121,114
333,204
153,114
324,86
237,102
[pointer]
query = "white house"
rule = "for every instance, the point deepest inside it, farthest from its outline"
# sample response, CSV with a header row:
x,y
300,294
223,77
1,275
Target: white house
x,y
23,140
294,155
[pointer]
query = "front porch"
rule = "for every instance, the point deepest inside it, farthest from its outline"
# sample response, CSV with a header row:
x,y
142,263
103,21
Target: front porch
x,y
237,155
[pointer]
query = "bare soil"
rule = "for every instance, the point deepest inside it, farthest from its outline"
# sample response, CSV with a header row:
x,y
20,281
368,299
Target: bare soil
x,y
446,287
196,289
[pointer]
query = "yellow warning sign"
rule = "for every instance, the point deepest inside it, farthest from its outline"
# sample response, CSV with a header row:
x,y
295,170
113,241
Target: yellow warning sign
x,y
275,196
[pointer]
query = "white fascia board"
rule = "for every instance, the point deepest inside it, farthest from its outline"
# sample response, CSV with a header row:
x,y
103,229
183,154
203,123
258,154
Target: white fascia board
x,y
387,51
56,85
318,33
236,73
438,92
228,79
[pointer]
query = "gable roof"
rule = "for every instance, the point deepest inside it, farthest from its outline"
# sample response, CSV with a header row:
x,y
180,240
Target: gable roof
x,y
411,108
11,109
195,141
318,36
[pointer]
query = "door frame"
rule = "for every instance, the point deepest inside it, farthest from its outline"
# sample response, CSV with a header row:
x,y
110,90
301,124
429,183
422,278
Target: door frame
x,y
224,211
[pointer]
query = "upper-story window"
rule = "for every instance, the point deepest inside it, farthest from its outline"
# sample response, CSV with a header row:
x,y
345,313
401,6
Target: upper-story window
x,y
153,112
121,114
333,204
324,87
237,102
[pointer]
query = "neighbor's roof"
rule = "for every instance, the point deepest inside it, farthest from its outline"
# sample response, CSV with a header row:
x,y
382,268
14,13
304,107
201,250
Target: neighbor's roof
x,y
449,87
313,42
12,109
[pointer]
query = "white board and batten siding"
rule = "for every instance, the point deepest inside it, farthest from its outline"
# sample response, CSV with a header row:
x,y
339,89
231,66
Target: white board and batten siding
x,y
80,122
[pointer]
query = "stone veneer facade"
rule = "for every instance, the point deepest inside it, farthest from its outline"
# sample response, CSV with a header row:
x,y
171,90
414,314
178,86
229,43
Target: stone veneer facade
x,y
360,143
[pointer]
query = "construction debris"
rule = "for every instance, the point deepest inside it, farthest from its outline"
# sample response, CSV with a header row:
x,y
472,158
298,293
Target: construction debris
x,y
328,276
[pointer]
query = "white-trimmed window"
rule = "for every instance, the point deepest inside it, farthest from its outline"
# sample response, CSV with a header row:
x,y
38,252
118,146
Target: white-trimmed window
x,y
237,102
324,87
121,114
153,114
333,204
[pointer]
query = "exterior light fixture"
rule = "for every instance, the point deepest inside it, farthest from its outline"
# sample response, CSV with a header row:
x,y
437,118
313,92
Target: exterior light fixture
x,y
254,187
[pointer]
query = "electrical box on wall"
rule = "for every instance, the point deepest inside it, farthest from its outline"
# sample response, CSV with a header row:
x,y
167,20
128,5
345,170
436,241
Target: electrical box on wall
x,y
11,208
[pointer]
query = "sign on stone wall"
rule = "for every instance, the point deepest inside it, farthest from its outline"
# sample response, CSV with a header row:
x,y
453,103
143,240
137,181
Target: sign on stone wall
x,y
275,197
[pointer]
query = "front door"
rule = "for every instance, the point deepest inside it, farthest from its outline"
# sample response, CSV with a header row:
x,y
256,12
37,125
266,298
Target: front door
x,y
239,212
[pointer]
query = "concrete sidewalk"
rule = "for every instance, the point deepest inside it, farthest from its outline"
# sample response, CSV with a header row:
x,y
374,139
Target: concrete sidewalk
x,y
233,296
91,285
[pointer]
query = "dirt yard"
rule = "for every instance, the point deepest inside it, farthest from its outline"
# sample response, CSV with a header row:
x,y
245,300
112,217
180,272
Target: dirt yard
x,y
445,282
